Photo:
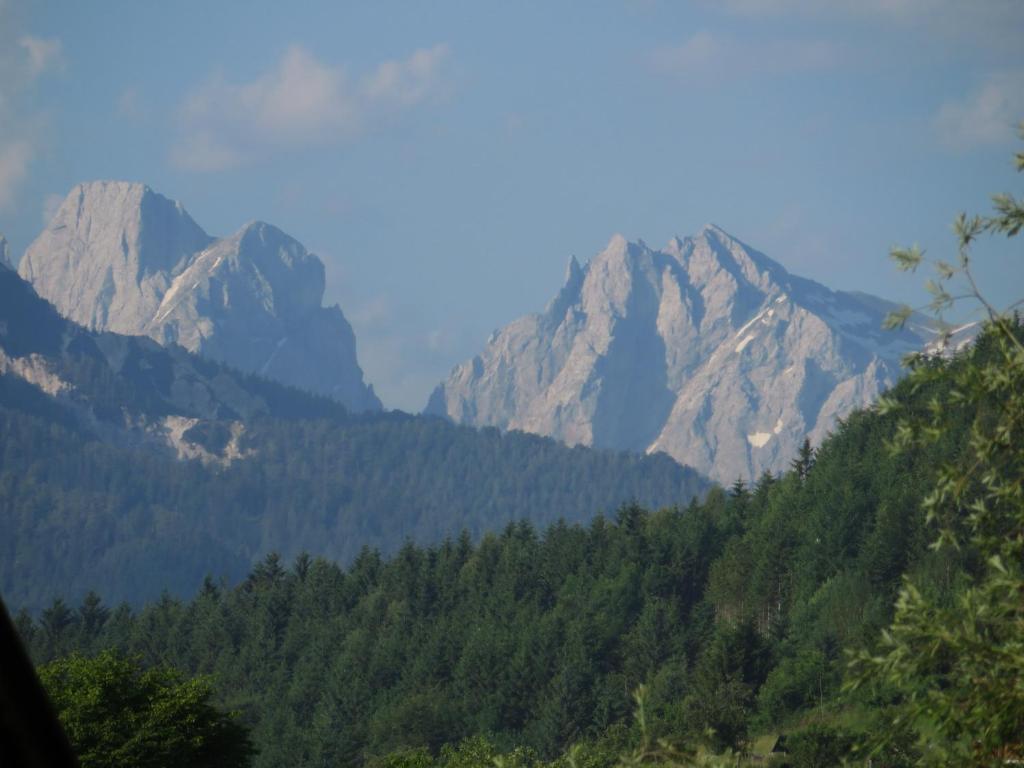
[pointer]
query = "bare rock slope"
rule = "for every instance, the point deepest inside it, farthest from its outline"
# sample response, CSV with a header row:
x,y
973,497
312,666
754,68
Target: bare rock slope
x,y
707,350
119,257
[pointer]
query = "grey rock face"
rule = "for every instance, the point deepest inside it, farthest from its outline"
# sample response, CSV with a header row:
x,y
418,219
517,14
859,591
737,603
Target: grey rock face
x,y
118,257
706,350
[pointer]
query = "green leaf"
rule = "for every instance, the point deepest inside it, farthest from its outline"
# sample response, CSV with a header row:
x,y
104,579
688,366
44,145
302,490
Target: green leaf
x,y
907,259
897,318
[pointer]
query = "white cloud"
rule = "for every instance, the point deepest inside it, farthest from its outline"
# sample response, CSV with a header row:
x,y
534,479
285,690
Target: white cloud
x,y
714,57
408,82
23,59
44,54
300,102
988,115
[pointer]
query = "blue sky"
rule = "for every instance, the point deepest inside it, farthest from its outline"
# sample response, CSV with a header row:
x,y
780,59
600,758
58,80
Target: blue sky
x,y
446,158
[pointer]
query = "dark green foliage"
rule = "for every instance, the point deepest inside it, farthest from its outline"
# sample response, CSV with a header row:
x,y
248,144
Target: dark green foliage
x,y
78,513
818,747
947,670
734,611
117,715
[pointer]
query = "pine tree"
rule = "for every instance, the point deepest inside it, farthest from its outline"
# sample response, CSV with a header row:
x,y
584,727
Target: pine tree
x,y
804,460
92,615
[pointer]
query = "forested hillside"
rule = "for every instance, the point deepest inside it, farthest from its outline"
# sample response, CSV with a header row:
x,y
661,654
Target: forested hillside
x,y
94,493
735,612
78,513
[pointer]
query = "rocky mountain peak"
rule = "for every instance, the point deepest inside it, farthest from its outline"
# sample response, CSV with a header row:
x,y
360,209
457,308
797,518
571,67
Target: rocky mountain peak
x,y
119,257
109,253
707,350
573,271
5,253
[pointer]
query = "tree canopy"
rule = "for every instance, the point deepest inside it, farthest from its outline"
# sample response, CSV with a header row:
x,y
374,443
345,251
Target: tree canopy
x,y
118,715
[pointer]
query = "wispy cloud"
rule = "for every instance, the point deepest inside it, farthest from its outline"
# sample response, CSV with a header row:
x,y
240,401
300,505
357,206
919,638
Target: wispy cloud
x,y
301,101
988,115
710,56
23,60
44,54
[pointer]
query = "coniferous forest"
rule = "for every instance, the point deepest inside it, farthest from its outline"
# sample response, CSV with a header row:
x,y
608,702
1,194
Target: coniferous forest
x,y
81,514
735,617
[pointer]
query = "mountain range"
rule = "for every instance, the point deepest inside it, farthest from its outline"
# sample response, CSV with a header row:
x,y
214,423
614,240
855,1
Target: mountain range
x,y
119,257
706,350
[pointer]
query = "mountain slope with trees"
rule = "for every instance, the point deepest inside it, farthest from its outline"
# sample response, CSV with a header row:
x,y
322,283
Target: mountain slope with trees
x,y
734,612
94,492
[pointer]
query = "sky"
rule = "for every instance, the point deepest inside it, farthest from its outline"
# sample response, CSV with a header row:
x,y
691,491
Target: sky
x,y
445,159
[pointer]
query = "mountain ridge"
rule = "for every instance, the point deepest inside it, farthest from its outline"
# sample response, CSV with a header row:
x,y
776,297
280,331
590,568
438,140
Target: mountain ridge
x,y
684,350
119,257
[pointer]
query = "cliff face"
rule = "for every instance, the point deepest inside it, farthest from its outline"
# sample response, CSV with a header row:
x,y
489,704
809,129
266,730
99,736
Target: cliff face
x,y
119,257
706,350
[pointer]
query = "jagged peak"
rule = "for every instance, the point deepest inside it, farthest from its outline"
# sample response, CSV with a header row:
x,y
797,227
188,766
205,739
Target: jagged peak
x,y
122,200
573,270
5,253
256,225
111,220
265,232
124,194
676,244
258,240
619,248
713,229
567,295
106,186
125,184
617,242
113,194
257,228
120,257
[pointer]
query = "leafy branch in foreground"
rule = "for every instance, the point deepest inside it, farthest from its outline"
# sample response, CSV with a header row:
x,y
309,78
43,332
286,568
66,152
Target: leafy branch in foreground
x,y
954,666
117,714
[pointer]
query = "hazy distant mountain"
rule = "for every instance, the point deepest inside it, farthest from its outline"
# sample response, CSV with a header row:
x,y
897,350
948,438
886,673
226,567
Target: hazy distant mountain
x,y
707,350
129,390
119,257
